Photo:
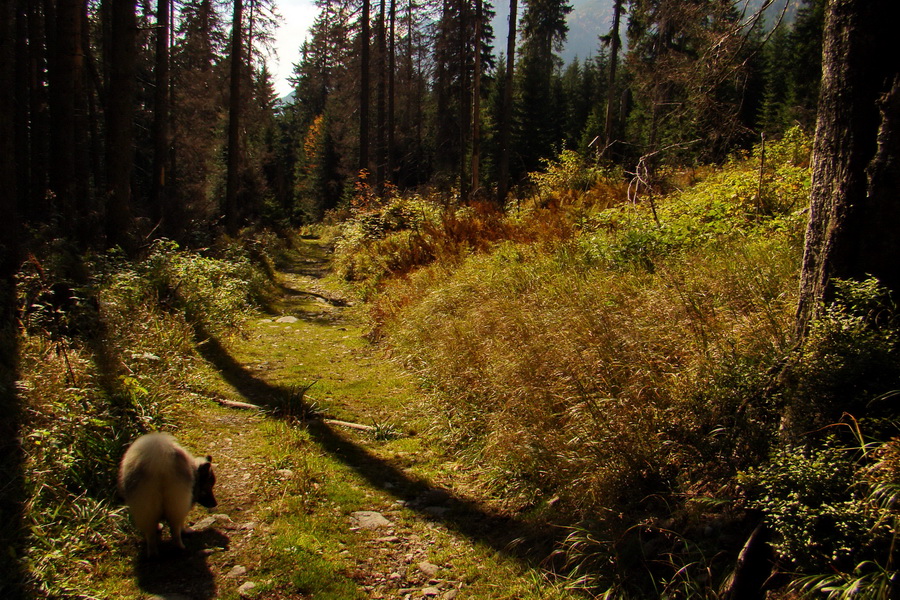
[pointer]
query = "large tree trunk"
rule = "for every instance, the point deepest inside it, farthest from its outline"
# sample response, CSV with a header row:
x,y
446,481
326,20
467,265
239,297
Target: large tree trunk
x,y
8,155
506,117
37,205
12,494
66,72
233,176
854,202
119,121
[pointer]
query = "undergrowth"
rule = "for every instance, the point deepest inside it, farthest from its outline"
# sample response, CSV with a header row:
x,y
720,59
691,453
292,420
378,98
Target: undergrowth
x,y
615,363
107,352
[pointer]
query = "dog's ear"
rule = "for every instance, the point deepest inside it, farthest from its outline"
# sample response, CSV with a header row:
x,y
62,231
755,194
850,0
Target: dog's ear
x,y
208,458
204,469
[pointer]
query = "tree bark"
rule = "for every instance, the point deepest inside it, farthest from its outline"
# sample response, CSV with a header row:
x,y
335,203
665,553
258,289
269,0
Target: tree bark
x,y
161,116
66,72
614,44
8,166
37,205
233,177
476,101
854,207
381,98
119,122
364,89
391,99
506,119
464,97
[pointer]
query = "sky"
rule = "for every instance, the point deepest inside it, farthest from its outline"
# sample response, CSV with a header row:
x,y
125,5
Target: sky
x,y
297,18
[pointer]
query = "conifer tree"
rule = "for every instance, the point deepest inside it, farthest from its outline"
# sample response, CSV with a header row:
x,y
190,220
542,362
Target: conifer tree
x,y
233,182
544,31
198,116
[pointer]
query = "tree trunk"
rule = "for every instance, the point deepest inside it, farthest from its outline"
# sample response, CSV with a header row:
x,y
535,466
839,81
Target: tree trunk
x,y
506,118
161,116
120,100
12,494
615,43
233,178
364,89
854,208
392,64
464,98
8,166
381,99
37,205
22,89
476,102
66,72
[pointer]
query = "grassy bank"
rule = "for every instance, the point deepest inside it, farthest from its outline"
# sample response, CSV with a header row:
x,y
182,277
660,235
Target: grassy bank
x,y
623,363
107,351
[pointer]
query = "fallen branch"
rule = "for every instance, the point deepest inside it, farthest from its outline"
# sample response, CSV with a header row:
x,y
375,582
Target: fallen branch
x,y
358,426
236,404
248,406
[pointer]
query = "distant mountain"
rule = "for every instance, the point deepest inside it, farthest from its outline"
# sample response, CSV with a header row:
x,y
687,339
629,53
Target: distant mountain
x,y
289,99
590,19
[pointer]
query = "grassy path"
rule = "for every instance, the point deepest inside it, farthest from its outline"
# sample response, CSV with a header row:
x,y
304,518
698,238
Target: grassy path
x,y
313,509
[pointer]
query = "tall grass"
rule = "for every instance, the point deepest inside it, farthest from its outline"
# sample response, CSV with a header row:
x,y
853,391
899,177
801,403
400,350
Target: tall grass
x,y
618,363
107,352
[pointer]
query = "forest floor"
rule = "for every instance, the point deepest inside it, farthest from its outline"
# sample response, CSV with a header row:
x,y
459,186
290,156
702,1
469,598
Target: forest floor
x,y
312,508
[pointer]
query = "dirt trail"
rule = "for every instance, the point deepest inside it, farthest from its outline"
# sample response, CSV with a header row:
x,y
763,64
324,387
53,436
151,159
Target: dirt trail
x,y
315,510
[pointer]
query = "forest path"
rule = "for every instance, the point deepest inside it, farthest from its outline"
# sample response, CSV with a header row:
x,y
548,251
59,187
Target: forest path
x,y
310,508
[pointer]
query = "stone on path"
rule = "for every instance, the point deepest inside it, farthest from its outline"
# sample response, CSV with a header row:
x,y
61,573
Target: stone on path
x,y
287,319
207,522
429,569
369,519
431,592
236,571
247,590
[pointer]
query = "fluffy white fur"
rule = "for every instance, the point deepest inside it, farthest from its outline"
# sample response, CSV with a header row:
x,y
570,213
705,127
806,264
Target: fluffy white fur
x,y
156,479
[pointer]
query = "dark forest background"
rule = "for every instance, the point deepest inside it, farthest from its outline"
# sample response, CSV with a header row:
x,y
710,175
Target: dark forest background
x,y
133,120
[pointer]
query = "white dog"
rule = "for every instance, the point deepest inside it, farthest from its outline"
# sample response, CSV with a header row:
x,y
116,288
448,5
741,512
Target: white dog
x,y
160,480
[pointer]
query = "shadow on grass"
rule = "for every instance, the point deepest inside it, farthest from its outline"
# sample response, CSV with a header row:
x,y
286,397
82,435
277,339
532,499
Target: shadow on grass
x,y
181,573
529,542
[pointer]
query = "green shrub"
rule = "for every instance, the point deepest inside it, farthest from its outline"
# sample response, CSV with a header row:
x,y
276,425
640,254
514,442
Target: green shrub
x,y
850,357
814,504
568,172
216,293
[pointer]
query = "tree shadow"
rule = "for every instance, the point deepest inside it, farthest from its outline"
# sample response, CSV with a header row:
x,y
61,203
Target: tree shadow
x,y
527,541
13,576
181,573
